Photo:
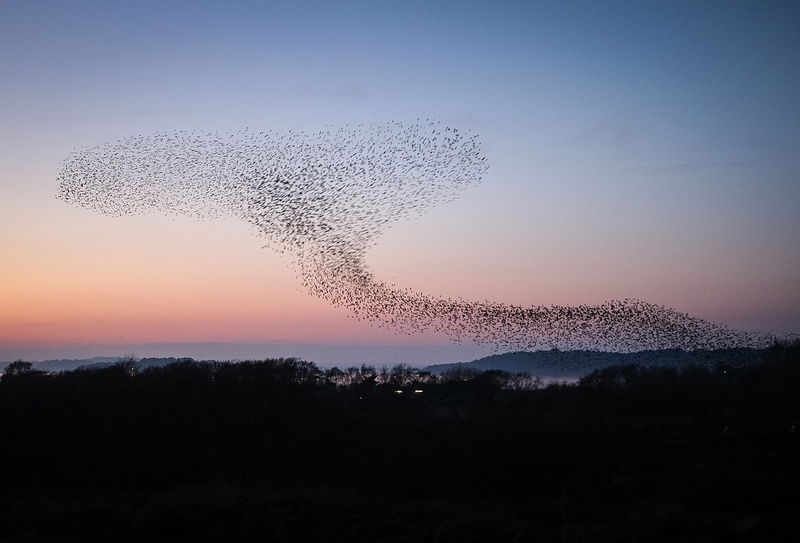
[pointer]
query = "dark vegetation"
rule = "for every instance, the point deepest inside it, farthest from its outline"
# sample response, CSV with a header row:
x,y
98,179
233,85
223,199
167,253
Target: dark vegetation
x,y
280,450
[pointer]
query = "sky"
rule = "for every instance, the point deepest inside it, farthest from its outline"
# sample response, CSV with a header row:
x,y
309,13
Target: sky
x,y
637,150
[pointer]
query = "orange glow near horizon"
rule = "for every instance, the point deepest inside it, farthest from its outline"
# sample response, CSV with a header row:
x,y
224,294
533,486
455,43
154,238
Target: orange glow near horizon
x,y
151,279
176,288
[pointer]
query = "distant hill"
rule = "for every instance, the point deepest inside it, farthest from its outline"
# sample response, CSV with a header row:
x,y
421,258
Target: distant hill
x,y
99,362
145,363
65,364
574,364
553,363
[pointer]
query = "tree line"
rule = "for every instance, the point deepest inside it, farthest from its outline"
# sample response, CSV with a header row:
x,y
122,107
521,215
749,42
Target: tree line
x,y
285,450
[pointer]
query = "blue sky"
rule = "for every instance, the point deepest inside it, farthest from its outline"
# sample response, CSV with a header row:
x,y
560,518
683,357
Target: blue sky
x,y
637,149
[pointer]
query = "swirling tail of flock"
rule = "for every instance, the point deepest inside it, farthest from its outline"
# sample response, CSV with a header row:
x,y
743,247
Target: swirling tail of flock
x,y
324,198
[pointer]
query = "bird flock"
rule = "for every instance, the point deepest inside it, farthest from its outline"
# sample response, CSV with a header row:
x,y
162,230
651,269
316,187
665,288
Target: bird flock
x,y
323,198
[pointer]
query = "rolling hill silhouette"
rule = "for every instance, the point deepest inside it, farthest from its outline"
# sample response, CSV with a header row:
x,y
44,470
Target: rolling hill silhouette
x,y
575,364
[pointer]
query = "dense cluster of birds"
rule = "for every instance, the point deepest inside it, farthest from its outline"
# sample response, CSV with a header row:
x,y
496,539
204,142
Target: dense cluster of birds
x,y
323,199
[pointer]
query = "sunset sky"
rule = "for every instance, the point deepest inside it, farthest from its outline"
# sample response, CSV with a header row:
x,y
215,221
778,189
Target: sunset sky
x,y
637,150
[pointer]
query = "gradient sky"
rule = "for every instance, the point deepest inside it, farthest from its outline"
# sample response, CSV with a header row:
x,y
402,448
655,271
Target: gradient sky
x,y
647,150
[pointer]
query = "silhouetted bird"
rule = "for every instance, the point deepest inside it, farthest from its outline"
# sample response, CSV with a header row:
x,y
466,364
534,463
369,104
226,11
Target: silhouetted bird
x,y
325,197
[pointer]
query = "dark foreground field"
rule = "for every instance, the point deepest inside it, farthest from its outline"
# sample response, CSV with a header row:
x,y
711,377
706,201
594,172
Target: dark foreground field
x,y
280,451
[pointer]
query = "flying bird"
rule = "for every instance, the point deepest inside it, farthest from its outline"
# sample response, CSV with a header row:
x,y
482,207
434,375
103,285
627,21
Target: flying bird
x,y
323,199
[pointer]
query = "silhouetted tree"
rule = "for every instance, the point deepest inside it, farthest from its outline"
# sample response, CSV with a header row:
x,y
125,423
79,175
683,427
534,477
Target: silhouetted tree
x,y
18,367
402,375
460,373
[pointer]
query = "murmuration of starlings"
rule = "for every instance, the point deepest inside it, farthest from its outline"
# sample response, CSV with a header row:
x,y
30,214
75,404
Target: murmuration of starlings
x,y
323,198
